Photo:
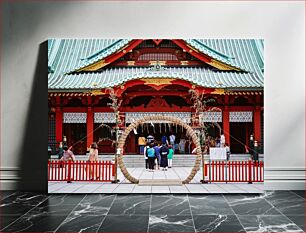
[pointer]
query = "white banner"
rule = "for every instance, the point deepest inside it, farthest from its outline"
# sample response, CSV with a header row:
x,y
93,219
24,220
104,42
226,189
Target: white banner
x,y
217,153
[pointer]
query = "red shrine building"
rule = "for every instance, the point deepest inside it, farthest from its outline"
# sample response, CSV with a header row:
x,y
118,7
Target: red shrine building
x,y
153,76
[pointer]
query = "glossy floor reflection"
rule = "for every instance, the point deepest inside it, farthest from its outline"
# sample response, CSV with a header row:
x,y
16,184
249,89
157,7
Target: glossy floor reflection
x,y
280,211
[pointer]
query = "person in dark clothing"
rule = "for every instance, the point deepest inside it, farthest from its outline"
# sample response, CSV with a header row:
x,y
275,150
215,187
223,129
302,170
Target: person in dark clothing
x,y
151,157
255,151
157,155
164,151
164,140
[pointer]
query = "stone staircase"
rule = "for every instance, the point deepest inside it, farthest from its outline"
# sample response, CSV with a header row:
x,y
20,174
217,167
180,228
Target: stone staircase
x,y
179,160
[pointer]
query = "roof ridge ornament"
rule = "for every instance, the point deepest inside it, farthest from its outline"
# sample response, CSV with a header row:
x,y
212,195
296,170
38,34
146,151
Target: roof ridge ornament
x,y
157,67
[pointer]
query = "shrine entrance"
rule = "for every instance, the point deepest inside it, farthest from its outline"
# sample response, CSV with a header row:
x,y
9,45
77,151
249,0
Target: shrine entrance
x,y
158,130
189,131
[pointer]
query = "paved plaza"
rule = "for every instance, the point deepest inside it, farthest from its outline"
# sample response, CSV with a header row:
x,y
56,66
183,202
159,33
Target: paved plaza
x,y
175,173
280,211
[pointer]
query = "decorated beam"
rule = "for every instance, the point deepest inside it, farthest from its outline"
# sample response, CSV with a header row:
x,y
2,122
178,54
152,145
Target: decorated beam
x,y
156,93
163,63
123,88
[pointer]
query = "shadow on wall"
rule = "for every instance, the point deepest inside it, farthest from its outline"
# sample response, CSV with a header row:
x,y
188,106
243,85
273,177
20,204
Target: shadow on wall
x,y
33,162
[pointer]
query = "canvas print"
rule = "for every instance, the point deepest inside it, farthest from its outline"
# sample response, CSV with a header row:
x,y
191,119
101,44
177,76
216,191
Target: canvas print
x,y
155,115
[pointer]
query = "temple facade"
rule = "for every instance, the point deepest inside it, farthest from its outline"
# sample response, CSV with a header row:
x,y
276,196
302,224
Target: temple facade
x,y
154,76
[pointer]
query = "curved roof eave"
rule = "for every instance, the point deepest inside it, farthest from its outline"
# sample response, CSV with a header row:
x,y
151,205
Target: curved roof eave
x,y
198,76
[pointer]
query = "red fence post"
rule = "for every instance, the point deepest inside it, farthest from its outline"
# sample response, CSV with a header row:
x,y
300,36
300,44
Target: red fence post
x,y
250,171
113,171
69,172
222,178
212,171
207,172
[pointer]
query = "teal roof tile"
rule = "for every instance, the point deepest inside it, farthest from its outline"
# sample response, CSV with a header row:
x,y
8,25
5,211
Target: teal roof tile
x,y
117,76
66,55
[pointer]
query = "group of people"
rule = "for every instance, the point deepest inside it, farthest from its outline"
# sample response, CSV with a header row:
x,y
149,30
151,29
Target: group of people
x,y
92,157
142,141
157,156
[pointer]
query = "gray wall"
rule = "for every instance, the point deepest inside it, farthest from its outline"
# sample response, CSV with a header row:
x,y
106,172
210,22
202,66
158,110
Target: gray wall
x,y
26,26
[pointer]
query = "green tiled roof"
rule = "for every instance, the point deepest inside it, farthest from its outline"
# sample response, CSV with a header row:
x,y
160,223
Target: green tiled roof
x,y
66,55
116,76
244,53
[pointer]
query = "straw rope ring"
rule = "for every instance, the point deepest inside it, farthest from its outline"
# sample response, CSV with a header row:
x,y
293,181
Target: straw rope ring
x,y
174,120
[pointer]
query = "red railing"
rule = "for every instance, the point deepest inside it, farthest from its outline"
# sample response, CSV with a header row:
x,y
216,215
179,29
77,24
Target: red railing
x,y
234,171
80,171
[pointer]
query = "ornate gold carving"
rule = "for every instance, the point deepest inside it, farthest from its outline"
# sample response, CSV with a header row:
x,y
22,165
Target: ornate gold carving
x,y
221,66
157,81
228,92
95,66
184,63
97,92
162,63
219,91
130,63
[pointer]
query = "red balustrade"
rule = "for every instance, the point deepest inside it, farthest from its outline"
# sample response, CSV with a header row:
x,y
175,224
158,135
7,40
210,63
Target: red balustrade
x,y
102,171
234,171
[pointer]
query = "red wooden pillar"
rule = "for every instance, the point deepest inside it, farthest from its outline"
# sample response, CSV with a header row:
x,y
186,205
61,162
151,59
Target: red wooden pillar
x,y
226,125
225,120
90,123
58,124
90,126
257,124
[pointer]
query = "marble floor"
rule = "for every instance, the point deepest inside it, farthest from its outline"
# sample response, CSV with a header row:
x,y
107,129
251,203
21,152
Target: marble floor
x,y
175,173
273,211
